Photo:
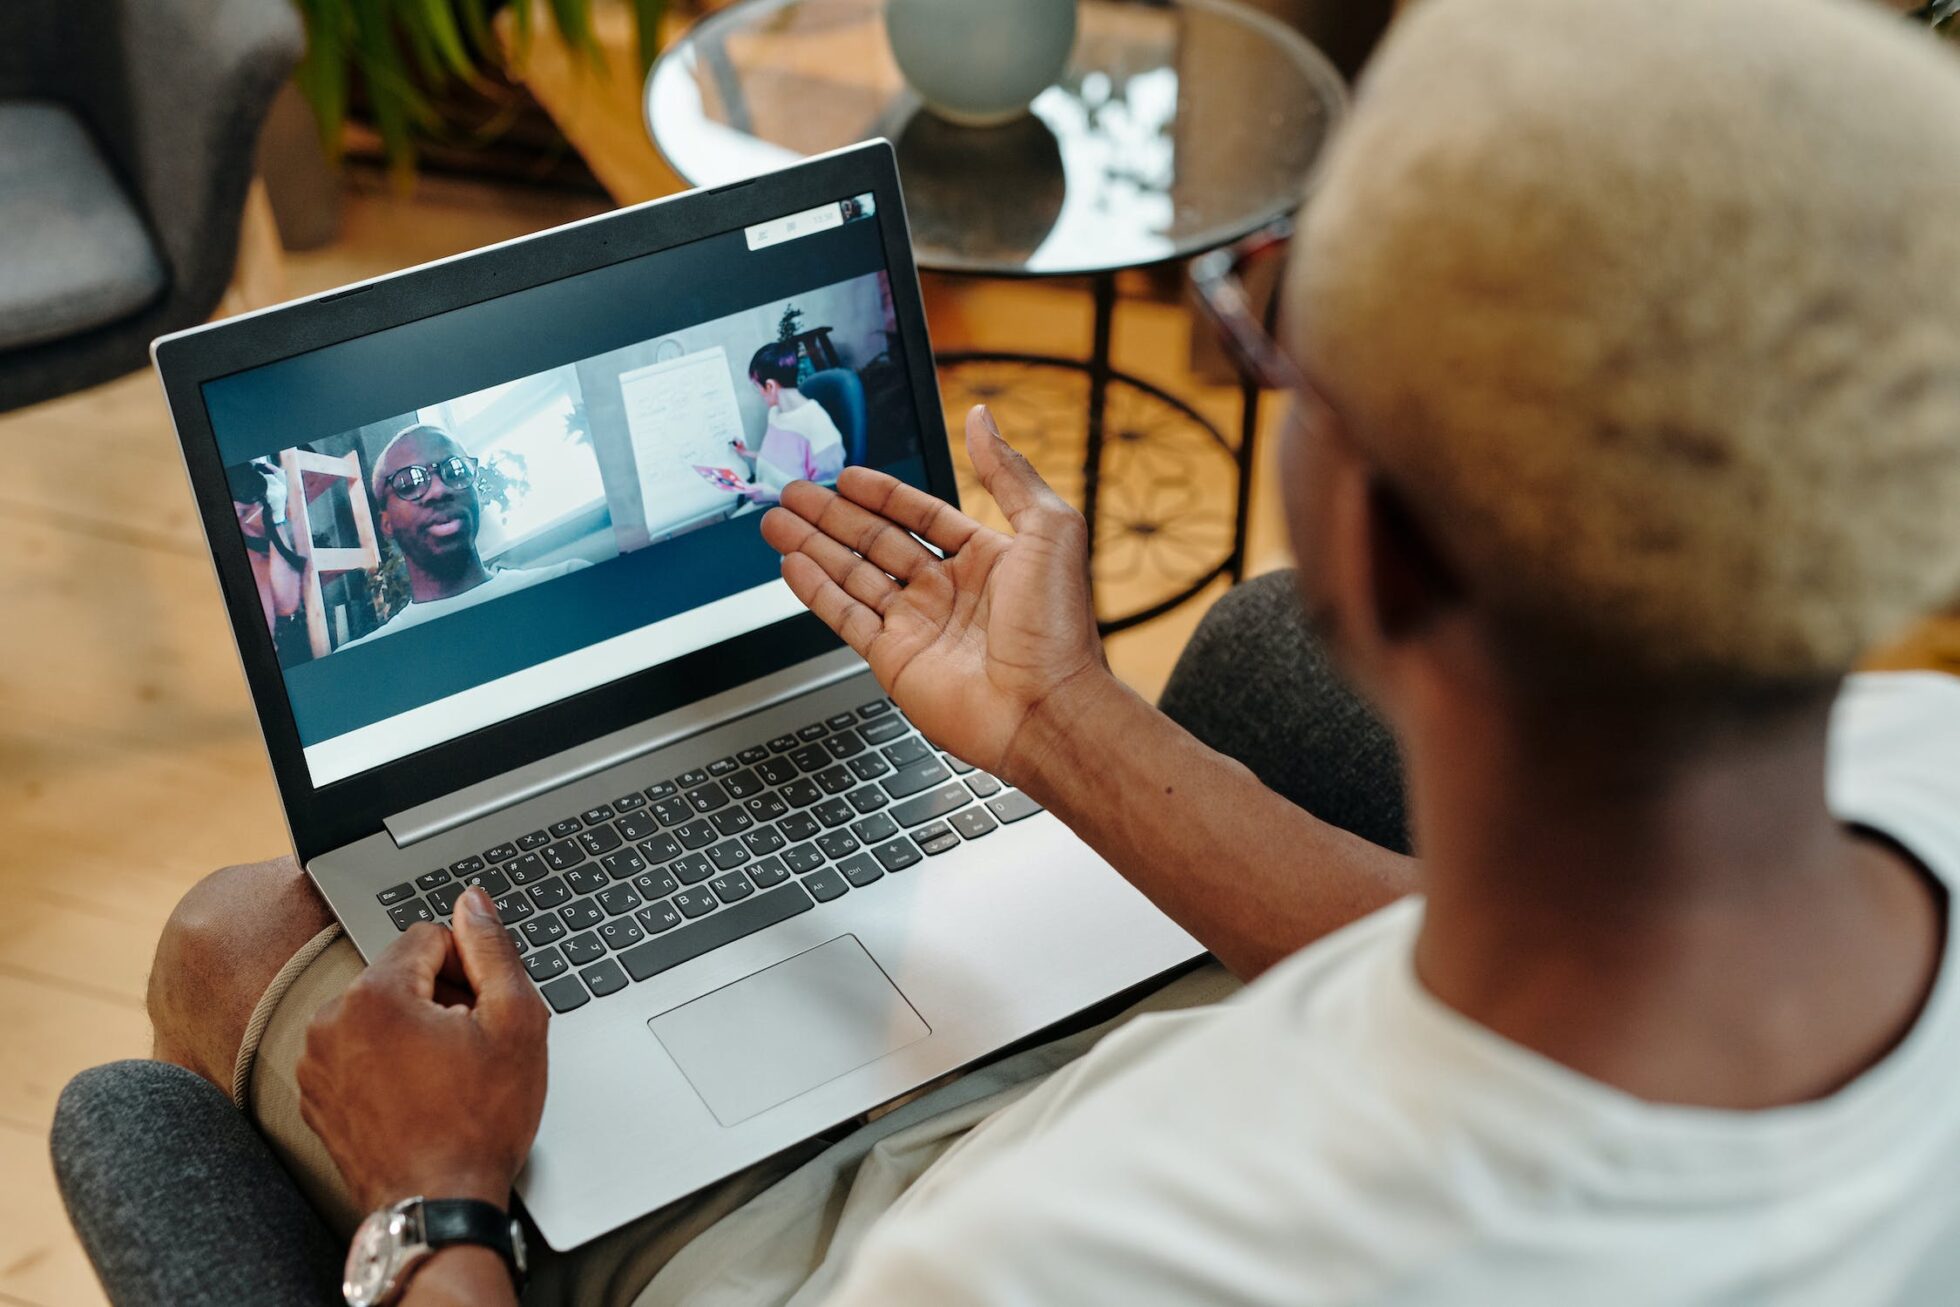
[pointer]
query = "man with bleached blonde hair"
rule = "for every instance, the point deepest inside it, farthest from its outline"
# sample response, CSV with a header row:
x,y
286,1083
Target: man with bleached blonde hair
x,y
1628,351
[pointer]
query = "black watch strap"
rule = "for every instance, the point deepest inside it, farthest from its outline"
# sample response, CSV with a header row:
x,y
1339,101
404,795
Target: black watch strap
x,y
447,1221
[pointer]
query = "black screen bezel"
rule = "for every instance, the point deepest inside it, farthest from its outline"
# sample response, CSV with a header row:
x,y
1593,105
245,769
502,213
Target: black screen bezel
x,y
331,816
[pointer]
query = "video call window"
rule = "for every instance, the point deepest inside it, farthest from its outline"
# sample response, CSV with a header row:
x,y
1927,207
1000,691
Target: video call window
x,y
371,531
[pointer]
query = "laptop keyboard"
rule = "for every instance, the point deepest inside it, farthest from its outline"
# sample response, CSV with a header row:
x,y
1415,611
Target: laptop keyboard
x,y
657,877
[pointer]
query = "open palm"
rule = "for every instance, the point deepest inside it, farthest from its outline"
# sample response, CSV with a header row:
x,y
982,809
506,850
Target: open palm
x,y
971,644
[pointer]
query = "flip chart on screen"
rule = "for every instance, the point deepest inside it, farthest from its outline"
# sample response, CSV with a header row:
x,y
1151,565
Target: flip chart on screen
x,y
681,413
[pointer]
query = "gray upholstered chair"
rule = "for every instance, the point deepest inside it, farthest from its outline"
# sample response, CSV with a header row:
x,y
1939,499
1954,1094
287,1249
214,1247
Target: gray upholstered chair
x,y
127,129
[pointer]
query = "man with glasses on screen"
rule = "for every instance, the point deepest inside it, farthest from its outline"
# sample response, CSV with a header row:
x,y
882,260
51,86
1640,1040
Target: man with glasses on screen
x,y
425,495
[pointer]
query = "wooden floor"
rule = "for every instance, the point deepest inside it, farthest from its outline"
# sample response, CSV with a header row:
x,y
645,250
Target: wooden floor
x,y
129,761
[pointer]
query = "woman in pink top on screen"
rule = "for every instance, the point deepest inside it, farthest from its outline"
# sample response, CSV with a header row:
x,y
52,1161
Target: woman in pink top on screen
x,y
800,443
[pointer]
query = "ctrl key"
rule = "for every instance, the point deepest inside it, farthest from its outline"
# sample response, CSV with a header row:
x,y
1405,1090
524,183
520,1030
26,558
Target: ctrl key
x,y
564,994
407,914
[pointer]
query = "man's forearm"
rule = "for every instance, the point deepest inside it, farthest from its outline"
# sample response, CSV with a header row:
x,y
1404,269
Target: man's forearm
x,y
1250,875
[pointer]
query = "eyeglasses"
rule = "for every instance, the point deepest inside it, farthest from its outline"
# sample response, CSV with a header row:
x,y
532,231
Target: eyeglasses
x,y
1219,279
413,482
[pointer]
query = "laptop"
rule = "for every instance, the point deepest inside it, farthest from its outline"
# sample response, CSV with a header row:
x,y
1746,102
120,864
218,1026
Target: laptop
x,y
488,536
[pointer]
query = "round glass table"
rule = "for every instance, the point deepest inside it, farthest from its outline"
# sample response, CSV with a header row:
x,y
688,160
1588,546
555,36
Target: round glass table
x,y
1178,126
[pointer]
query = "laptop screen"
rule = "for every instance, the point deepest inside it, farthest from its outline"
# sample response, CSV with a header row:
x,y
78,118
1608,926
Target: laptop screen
x,y
485,511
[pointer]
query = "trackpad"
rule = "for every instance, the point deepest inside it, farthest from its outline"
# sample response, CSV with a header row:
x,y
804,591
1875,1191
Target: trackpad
x,y
768,1037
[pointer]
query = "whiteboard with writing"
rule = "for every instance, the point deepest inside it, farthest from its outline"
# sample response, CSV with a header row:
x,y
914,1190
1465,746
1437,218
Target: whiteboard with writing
x,y
680,413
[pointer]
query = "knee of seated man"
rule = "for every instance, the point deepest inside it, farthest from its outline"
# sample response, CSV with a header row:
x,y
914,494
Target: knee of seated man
x,y
224,942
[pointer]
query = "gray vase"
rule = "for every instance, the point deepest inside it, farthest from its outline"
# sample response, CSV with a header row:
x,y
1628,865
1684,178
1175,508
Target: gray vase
x,y
980,62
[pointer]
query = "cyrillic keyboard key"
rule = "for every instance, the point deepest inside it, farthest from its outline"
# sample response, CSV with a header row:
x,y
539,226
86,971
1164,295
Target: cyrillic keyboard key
x,y
546,964
586,880
624,864
934,803
875,829
691,870
973,823
861,869
527,868
798,826
582,949
651,885
563,854
732,923
731,887
564,994
921,775
618,899
513,908
696,834
581,915
660,917
802,858
1012,806
494,881
696,902
907,751
621,932
407,914
827,884
604,978
768,873
897,855
542,930
837,844
550,894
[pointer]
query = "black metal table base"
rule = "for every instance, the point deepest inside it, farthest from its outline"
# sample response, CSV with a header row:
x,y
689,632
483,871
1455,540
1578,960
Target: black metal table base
x,y
1141,455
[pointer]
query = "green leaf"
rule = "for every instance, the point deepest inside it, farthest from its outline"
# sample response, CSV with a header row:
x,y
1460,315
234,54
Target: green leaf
x,y
646,17
574,20
447,38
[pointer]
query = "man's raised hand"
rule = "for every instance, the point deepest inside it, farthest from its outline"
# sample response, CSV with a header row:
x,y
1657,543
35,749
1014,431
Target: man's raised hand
x,y
973,646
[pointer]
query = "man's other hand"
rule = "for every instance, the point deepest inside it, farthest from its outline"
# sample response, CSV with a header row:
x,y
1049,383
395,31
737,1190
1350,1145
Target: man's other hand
x,y
427,1076
974,646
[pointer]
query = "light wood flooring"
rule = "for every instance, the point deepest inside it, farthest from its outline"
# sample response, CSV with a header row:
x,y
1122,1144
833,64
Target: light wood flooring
x,y
129,761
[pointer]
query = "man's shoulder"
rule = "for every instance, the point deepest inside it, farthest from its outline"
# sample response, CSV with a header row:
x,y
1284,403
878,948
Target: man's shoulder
x,y
1895,761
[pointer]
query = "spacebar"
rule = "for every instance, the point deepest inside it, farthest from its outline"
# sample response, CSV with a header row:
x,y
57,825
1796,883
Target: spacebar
x,y
711,932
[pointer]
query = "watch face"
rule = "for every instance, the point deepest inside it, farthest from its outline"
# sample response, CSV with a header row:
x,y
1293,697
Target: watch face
x,y
371,1259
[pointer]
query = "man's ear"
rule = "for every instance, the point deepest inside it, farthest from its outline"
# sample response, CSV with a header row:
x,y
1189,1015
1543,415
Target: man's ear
x,y
1411,585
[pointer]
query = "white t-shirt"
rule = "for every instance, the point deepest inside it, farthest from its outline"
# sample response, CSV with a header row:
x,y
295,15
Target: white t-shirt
x,y
503,581
1336,1135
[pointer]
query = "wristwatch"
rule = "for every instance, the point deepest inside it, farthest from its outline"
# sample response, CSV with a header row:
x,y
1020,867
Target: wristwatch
x,y
393,1242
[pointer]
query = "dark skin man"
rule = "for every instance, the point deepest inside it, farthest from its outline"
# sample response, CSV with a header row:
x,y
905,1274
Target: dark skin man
x,y
437,532
1669,975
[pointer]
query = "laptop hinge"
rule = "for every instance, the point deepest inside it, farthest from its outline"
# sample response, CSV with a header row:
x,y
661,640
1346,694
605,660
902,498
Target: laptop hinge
x,y
460,807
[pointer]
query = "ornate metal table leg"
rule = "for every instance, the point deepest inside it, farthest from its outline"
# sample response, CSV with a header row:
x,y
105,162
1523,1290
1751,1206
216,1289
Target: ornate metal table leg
x,y
1103,287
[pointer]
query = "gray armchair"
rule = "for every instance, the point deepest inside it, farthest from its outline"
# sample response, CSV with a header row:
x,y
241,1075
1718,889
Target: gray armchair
x,y
127,130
